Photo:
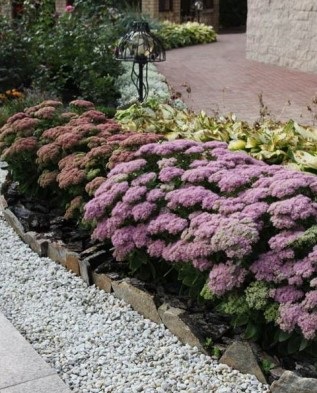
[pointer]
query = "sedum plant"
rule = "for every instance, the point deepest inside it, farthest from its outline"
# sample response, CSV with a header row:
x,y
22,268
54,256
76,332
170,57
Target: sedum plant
x,y
65,152
19,140
239,231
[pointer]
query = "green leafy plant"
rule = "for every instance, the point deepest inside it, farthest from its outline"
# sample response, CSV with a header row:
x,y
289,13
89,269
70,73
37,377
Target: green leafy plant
x,y
17,62
175,35
267,365
272,142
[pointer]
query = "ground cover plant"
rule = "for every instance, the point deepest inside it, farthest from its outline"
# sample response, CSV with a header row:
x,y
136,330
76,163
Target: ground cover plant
x,y
267,140
239,232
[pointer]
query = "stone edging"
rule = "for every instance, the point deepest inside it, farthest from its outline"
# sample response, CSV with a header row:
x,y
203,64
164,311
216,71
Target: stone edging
x,y
144,303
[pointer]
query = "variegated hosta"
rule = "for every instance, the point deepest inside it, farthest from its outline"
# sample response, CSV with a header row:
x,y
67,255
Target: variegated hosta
x,y
273,142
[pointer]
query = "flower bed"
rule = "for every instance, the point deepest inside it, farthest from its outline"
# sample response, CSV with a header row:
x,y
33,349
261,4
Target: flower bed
x,y
241,232
236,231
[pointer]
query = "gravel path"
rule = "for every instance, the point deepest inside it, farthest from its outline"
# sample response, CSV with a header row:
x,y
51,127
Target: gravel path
x,y
95,341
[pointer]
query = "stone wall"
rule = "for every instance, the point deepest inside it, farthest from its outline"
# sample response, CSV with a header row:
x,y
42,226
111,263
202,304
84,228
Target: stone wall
x,y
283,32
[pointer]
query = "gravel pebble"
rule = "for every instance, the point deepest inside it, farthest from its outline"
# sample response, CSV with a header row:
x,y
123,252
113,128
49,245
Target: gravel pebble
x,y
95,341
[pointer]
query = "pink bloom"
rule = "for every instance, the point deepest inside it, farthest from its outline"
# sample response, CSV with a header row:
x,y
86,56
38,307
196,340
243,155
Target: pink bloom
x,y
224,277
286,294
69,8
308,324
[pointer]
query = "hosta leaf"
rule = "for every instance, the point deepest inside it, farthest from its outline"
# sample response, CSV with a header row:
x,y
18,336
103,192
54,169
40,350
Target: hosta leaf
x,y
307,133
172,135
251,143
306,159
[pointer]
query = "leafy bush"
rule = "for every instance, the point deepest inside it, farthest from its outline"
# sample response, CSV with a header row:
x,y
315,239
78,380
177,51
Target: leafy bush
x,y
76,59
272,142
68,55
175,35
17,62
239,231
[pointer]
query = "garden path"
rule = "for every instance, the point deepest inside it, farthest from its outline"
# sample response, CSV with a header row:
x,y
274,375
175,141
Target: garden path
x,y
222,80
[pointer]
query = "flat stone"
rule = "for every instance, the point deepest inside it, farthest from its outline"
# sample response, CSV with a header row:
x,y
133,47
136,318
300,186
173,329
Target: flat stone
x,y
239,355
37,245
292,383
3,203
19,362
171,317
85,271
276,372
139,299
49,384
13,222
102,281
57,252
72,262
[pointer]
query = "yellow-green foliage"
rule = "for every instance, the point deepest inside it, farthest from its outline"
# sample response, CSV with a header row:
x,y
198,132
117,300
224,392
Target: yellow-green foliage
x,y
175,35
270,141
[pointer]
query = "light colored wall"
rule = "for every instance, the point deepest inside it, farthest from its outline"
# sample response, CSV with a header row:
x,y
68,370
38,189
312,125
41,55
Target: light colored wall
x,y
5,8
60,6
283,32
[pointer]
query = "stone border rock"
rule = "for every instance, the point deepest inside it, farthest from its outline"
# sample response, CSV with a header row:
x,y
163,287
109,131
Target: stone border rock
x,y
144,302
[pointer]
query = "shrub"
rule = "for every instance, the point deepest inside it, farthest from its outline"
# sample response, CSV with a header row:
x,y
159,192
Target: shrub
x,y
71,66
239,231
17,62
175,35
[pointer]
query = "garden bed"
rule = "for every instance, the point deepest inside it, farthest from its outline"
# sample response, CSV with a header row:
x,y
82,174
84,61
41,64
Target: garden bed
x,y
193,323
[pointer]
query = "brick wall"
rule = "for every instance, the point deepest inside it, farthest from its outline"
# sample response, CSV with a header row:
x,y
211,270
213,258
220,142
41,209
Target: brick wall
x,y
60,6
283,32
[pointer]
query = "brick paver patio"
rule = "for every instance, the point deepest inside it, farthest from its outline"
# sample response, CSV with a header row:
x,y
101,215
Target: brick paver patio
x,y
222,80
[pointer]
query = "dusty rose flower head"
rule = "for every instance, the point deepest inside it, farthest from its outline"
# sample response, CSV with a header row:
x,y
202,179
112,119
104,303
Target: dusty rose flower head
x,y
94,116
46,112
70,176
55,132
138,139
31,110
47,178
83,104
24,124
74,205
93,185
48,153
21,145
69,115
17,116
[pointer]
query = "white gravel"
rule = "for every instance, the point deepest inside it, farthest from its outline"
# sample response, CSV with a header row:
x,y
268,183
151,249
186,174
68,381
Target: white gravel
x,y
96,342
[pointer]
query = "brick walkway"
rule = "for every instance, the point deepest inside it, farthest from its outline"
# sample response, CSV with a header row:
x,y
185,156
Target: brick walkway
x,y
222,80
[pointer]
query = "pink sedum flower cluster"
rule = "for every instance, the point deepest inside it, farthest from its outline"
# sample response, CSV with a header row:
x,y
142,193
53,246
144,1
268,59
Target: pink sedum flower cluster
x,y
229,215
